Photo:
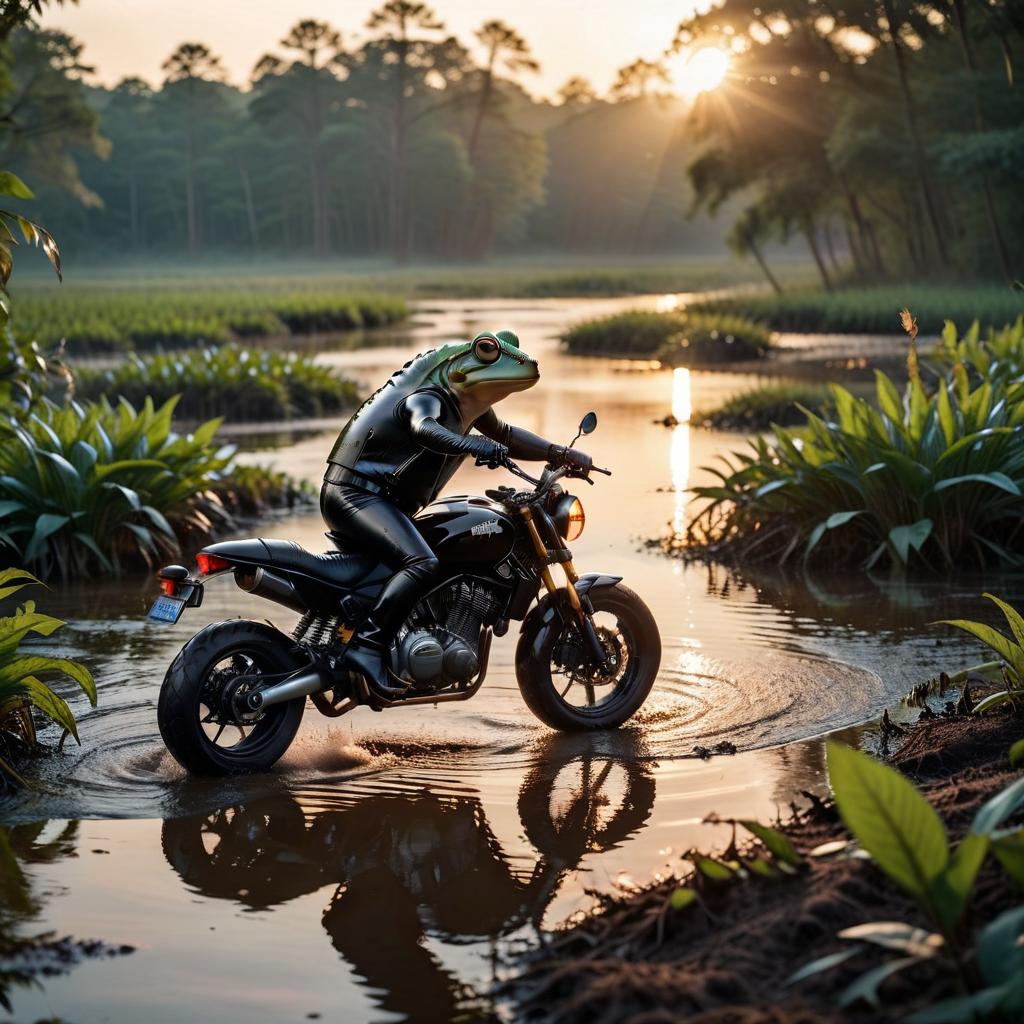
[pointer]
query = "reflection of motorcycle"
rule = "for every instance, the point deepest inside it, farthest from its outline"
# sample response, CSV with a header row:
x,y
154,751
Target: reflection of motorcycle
x,y
586,659
409,866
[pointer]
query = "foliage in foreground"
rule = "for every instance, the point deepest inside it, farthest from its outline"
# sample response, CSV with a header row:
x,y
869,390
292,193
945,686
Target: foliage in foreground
x,y
233,382
997,358
760,408
1010,651
870,310
27,372
675,338
113,319
900,830
101,487
23,672
933,480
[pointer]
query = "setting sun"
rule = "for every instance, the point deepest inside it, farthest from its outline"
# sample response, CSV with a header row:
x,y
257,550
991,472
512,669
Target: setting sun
x,y
700,71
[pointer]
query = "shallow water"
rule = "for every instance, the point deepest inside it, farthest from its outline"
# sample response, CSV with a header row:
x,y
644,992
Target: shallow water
x,y
392,862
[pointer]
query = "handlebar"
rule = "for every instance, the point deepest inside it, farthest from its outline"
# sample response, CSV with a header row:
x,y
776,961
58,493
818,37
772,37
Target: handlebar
x,y
548,476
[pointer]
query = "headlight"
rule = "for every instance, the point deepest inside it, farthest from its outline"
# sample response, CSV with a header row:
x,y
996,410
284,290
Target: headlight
x,y
569,517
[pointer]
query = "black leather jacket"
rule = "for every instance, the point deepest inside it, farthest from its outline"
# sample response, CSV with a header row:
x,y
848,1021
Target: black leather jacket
x,y
410,443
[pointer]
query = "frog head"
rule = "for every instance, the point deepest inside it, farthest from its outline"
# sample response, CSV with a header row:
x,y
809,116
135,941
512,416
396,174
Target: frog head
x,y
490,368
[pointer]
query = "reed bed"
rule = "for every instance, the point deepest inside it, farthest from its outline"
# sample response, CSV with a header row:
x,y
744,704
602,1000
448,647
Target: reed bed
x,y
231,381
872,310
107,320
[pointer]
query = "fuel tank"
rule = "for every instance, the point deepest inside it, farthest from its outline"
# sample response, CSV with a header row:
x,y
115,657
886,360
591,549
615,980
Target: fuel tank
x,y
466,529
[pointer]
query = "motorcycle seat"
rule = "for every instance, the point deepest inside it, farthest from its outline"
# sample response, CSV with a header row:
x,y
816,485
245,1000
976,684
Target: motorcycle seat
x,y
340,568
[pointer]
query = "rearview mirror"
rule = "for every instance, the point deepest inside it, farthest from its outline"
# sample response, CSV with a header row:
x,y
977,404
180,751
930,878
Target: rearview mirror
x,y
589,423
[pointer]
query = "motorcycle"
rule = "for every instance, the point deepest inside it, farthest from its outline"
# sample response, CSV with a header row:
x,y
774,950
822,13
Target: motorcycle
x,y
587,656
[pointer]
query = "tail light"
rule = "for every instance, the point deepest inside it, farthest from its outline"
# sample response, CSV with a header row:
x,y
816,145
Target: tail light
x,y
169,587
211,563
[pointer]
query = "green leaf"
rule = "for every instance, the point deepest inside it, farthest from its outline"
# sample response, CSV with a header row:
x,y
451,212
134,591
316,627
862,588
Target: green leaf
x,y
712,869
1000,480
1012,616
1005,648
12,185
903,538
7,584
1009,851
1016,753
825,963
158,520
960,1009
996,810
50,704
993,700
834,520
778,844
866,986
41,664
953,887
889,818
1000,950
46,525
760,866
889,400
681,898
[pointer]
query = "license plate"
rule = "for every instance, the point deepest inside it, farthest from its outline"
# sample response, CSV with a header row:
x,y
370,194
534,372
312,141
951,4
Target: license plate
x,y
167,609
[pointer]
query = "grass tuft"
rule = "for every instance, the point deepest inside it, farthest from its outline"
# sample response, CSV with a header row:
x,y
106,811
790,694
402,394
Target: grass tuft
x,y
674,338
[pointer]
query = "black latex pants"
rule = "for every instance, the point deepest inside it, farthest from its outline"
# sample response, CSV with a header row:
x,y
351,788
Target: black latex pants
x,y
373,524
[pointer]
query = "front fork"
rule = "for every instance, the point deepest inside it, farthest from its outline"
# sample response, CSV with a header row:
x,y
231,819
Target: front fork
x,y
586,622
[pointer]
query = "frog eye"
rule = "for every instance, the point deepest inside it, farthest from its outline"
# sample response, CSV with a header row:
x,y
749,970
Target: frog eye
x,y
486,350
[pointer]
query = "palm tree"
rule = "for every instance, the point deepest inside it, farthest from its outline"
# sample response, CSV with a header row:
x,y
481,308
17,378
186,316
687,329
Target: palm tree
x,y
190,65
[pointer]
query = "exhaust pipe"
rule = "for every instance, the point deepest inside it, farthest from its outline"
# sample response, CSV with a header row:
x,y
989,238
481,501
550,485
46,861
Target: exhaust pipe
x,y
301,685
264,583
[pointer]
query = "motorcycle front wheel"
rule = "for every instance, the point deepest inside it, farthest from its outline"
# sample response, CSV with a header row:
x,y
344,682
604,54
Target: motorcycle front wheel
x,y
564,691
195,709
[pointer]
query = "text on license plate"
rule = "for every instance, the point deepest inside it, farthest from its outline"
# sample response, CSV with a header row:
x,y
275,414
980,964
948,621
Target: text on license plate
x,y
167,609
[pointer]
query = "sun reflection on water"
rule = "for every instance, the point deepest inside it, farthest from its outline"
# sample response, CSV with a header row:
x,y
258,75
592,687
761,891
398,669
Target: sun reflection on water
x,y
679,450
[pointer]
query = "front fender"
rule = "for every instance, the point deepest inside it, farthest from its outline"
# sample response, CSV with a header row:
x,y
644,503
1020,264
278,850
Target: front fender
x,y
551,609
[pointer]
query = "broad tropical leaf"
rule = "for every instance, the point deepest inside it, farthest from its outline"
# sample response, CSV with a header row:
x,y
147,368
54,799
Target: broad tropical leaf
x,y
889,818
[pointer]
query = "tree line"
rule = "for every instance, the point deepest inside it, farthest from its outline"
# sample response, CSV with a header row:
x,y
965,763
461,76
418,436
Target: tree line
x,y
891,131
885,135
406,145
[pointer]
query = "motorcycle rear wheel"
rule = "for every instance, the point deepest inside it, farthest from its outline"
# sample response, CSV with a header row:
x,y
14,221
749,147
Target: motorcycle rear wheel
x,y
193,722
604,700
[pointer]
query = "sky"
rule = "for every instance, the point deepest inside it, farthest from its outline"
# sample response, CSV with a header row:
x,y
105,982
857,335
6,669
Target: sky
x,y
589,37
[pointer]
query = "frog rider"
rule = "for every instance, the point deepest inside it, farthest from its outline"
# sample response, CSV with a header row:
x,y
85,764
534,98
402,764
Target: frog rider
x,y
402,446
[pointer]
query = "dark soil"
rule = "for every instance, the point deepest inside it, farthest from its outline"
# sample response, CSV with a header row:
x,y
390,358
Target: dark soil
x,y
726,958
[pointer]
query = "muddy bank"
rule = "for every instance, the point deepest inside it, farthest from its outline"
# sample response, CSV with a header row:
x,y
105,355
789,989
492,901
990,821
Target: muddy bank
x,y
726,958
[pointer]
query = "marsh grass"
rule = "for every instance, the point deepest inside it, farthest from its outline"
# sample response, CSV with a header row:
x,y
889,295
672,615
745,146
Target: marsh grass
x,y
872,310
674,338
760,408
107,319
231,381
